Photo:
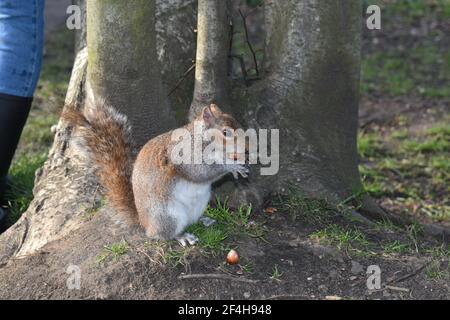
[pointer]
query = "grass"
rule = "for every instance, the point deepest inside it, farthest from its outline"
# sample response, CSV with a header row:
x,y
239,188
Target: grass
x,y
395,247
20,194
362,241
369,144
348,238
416,9
248,267
92,209
213,239
400,134
386,225
435,271
113,251
398,73
317,211
228,224
440,252
420,65
276,273
296,204
427,146
435,139
176,256
439,268
412,170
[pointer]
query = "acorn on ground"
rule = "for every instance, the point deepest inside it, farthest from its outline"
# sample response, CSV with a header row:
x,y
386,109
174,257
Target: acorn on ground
x,y
232,257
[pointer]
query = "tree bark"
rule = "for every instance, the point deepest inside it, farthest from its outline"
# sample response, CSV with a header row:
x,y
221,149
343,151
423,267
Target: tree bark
x,y
66,186
175,26
80,34
123,68
62,187
176,22
211,80
310,92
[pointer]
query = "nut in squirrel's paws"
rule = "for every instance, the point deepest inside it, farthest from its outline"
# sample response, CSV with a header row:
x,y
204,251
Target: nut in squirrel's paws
x,y
206,221
187,238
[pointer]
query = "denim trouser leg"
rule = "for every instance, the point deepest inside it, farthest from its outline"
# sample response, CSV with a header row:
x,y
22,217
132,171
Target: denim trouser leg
x,y
21,45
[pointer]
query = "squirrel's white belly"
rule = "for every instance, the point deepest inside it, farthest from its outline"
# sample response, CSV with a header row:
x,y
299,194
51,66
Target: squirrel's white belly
x,y
187,203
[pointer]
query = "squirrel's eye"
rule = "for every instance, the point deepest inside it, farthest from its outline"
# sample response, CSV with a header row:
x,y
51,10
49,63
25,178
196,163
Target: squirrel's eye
x,y
227,133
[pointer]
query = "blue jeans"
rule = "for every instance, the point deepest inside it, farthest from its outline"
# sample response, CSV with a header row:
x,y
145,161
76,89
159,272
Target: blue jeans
x,y
21,45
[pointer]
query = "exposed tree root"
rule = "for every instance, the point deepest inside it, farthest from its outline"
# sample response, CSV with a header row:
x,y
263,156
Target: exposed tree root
x,y
373,211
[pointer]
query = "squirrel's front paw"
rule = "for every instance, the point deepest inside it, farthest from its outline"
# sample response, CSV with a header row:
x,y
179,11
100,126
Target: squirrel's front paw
x,y
187,238
240,169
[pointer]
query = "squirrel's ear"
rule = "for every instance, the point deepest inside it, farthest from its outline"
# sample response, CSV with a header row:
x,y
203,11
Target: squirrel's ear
x,y
208,115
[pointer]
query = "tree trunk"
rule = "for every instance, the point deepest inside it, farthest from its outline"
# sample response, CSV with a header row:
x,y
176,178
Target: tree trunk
x,y
176,22
175,42
123,67
80,34
62,187
127,75
311,94
211,83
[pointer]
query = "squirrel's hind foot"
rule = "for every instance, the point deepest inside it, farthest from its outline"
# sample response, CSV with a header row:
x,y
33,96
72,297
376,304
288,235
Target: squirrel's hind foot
x,y
187,238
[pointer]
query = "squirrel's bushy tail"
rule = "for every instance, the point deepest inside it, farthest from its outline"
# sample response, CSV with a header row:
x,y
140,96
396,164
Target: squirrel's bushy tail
x,y
105,136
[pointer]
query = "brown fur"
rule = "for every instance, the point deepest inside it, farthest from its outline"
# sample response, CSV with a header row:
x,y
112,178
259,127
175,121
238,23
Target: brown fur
x,y
112,157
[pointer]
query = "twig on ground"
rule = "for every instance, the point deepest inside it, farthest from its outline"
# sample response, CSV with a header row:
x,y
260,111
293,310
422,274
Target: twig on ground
x,y
139,250
410,275
397,288
216,276
287,296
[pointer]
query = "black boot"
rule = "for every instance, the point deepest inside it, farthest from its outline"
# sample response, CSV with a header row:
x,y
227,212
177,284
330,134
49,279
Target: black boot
x,y
13,115
2,219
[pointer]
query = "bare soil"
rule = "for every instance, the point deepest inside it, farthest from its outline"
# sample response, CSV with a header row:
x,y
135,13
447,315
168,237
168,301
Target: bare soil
x,y
307,269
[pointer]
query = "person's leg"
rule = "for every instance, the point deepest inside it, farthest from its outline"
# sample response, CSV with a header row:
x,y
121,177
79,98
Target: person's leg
x,y
21,45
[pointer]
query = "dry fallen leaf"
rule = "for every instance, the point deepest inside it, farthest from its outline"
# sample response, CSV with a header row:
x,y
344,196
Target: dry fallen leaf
x,y
270,210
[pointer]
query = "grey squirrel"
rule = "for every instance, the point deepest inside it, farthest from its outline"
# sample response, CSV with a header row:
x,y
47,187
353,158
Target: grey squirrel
x,y
162,196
